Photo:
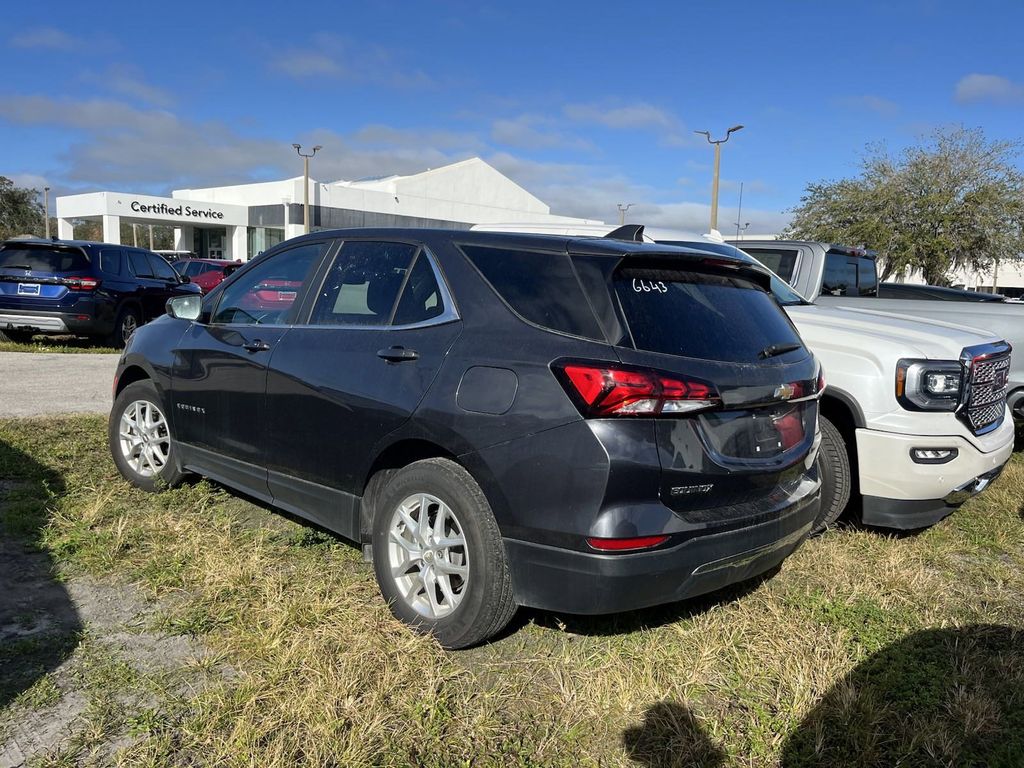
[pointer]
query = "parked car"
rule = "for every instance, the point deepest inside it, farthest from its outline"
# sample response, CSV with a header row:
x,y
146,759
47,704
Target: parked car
x,y
840,276
900,456
172,256
578,425
99,290
934,293
206,273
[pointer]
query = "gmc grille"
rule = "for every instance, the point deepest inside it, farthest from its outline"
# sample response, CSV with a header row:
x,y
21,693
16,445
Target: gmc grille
x,y
986,400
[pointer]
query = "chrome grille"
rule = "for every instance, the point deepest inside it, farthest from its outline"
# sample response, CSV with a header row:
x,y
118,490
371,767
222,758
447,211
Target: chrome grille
x,y
987,399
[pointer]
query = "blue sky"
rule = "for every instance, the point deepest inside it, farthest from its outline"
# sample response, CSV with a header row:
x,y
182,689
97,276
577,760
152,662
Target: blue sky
x,y
587,105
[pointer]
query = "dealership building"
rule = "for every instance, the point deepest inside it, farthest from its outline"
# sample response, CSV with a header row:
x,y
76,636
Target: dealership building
x,y
239,222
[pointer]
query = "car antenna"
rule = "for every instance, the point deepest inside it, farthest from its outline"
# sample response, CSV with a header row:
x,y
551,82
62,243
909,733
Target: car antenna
x,y
634,233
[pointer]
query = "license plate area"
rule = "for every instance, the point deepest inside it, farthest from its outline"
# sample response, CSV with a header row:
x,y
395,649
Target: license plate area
x,y
29,289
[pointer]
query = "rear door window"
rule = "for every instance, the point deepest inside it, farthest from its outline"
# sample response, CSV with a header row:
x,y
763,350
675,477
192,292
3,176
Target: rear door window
x,y
539,286
110,261
140,264
363,284
43,259
706,316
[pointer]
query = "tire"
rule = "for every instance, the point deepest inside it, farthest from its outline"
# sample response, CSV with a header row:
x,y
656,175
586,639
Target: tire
x,y
148,461
468,606
833,464
125,325
18,337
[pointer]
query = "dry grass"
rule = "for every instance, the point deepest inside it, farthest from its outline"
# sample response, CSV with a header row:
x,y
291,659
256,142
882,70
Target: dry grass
x,y
865,649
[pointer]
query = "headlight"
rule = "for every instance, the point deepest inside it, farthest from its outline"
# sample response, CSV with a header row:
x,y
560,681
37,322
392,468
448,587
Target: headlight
x,y
929,385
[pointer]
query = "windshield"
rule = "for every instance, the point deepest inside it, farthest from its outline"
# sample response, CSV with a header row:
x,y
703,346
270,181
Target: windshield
x,y
43,259
781,290
707,316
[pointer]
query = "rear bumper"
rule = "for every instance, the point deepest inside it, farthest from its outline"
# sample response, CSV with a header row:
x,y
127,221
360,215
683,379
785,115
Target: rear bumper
x,y
53,322
568,581
910,514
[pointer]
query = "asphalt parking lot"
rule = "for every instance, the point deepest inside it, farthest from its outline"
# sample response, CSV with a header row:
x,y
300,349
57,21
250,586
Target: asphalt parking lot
x,y
39,384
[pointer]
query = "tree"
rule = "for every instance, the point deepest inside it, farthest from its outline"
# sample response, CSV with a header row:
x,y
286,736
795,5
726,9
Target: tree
x,y
21,213
954,202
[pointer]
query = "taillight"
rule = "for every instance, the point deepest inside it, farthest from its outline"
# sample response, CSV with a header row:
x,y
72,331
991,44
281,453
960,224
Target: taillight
x,y
602,390
622,545
821,380
81,283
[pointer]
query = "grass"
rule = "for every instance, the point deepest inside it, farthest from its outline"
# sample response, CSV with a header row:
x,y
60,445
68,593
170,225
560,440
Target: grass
x,y
59,344
866,649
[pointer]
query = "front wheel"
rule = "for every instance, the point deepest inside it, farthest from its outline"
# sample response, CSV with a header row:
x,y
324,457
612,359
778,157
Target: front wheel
x,y
438,554
834,468
140,439
125,325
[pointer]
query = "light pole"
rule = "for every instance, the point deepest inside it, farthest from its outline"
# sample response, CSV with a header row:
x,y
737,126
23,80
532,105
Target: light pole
x,y
305,180
718,161
46,210
622,212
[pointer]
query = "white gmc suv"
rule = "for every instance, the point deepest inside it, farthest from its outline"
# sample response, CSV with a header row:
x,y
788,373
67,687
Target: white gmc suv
x,y
914,418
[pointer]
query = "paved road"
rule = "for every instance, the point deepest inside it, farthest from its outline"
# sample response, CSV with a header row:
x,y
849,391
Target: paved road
x,y
36,383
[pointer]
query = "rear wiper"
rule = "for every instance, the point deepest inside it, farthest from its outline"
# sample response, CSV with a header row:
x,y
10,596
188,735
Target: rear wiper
x,y
18,266
773,350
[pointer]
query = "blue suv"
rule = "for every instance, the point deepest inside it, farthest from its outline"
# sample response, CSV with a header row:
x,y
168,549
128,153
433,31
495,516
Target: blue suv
x,y
99,290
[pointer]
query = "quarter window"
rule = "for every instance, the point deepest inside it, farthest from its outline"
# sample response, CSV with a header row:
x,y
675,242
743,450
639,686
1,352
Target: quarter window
x,y
539,286
110,261
363,284
267,293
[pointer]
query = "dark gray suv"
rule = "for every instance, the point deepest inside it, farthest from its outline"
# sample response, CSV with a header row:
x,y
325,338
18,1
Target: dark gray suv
x,y
575,424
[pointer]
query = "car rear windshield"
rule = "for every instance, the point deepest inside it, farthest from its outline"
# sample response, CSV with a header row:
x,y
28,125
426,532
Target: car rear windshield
x,y
43,259
706,316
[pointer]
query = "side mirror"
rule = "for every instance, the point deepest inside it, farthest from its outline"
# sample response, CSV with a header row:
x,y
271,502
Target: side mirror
x,y
184,279
185,307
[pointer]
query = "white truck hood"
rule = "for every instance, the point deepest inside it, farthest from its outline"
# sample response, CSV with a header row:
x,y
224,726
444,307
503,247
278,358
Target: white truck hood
x,y
882,334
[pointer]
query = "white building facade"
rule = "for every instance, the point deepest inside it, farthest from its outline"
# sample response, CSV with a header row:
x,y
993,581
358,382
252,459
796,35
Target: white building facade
x,y
241,221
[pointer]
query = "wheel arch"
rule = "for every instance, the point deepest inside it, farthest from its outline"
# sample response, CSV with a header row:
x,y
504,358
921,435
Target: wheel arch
x,y
843,411
130,375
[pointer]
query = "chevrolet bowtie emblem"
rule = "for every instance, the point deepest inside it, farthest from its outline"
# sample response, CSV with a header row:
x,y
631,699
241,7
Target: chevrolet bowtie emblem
x,y
784,392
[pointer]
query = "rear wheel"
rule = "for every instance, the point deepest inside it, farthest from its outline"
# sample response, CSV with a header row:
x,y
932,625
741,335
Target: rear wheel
x,y
438,554
834,468
140,439
126,324
18,337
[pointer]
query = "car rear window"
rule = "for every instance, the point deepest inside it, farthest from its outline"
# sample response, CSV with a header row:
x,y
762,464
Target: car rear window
x,y
706,316
539,286
781,261
43,259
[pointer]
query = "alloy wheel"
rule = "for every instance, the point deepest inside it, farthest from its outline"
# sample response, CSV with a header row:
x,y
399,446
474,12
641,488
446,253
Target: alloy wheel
x,y
428,555
144,438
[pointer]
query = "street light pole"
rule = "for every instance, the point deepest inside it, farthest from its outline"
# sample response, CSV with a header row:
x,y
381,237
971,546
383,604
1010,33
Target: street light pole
x,y
622,212
305,181
718,162
46,210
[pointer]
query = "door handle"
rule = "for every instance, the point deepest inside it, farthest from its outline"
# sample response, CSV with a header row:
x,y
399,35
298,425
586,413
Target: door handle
x,y
397,354
256,346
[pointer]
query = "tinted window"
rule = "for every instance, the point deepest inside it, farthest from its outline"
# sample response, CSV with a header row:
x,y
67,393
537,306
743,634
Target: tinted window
x,y
699,315
140,264
779,260
784,294
840,278
363,284
110,261
540,286
267,293
867,276
161,268
43,259
421,298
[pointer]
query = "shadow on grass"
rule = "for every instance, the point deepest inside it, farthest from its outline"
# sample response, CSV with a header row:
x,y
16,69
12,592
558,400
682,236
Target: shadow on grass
x,y
936,697
39,626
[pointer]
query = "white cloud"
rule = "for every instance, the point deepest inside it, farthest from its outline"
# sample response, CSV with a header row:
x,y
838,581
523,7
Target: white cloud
x,y
993,89
329,56
870,103
535,132
638,116
45,37
128,80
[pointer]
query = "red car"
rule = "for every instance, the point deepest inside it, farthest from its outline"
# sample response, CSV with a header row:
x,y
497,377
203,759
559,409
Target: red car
x,y
206,273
